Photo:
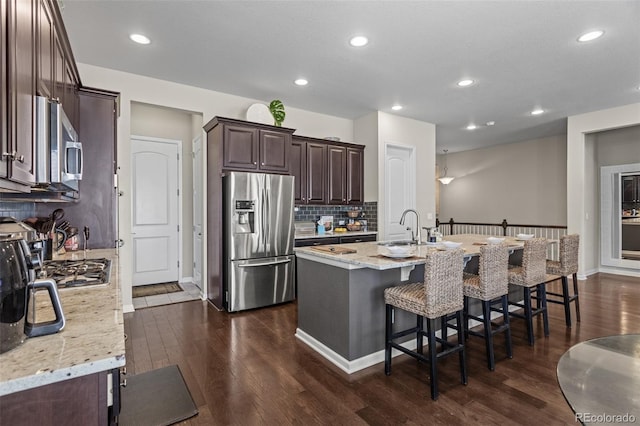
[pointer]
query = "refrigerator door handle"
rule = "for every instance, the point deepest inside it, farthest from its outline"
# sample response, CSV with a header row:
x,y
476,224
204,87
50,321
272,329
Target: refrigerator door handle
x,y
268,219
263,240
255,265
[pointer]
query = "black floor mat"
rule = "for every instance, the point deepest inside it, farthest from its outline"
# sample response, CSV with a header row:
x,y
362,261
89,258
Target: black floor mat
x,y
156,398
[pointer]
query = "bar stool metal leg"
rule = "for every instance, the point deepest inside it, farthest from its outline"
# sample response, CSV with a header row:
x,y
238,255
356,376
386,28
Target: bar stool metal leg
x,y
433,357
505,318
462,353
387,336
575,295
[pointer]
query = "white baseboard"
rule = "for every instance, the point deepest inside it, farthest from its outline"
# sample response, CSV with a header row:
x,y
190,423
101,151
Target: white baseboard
x,y
186,280
619,271
344,364
127,308
366,361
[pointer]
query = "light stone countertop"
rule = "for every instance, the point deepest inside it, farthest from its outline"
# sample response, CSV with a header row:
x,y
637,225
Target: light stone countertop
x,y
632,221
91,341
368,254
334,234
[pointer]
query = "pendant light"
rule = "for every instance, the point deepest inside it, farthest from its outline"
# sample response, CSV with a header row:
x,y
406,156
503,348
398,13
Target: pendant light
x,y
446,180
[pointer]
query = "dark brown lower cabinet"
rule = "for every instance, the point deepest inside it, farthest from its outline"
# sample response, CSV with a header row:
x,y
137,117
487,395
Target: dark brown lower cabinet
x,y
78,401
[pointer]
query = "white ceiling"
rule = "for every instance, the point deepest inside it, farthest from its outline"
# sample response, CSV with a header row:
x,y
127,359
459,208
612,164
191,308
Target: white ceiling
x,y
523,54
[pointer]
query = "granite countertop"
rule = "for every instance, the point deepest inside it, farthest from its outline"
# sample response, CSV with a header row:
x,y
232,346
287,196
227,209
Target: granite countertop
x,y
366,256
631,221
91,341
334,234
369,254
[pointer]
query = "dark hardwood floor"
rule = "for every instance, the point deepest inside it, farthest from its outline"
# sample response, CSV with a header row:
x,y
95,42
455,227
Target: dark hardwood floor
x,y
248,368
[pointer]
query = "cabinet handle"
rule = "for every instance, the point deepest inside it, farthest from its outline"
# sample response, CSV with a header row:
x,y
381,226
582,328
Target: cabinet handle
x,y
262,164
255,163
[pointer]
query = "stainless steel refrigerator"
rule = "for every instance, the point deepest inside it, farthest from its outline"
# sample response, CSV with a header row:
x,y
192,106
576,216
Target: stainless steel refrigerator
x,y
258,240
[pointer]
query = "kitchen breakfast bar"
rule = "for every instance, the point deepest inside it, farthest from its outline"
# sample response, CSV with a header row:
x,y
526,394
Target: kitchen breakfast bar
x,y
340,296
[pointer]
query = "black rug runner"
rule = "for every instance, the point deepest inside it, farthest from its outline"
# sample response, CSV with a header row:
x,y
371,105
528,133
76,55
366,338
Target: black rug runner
x,y
156,398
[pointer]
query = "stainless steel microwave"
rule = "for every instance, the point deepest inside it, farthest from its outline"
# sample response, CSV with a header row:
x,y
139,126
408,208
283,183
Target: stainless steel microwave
x,y
59,159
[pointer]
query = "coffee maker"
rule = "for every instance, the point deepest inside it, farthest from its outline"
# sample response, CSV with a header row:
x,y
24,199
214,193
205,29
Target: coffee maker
x,y
17,285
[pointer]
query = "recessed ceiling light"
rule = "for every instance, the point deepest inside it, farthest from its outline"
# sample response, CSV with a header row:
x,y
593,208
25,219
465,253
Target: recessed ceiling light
x,y
537,111
465,83
358,41
472,127
491,123
591,35
301,82
139,38
396,107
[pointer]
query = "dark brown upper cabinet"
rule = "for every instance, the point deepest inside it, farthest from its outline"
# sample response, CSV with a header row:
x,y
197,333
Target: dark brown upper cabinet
x,y
45,66
631,189
36,59
327,172
309,167
355,175
250,148
20,39
337,174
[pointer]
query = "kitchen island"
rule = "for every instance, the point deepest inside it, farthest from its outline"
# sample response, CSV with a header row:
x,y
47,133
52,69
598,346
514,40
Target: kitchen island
x,y
340,297
341,303
70,377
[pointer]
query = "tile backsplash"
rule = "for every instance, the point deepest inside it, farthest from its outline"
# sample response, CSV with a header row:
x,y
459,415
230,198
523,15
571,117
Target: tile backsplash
x,y
308,213
18,210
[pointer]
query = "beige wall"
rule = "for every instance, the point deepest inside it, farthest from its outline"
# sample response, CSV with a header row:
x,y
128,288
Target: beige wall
x,y
619,146
522,182
168,123
365,131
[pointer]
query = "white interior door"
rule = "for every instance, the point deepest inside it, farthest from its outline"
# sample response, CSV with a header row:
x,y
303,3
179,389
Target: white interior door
x,y
399,189
197,211
155,210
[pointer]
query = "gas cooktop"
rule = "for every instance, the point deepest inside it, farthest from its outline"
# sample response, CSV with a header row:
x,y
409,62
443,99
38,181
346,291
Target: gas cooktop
x,y
77,273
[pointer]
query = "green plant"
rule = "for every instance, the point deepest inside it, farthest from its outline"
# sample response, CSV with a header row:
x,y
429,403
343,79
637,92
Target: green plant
x,y
277,110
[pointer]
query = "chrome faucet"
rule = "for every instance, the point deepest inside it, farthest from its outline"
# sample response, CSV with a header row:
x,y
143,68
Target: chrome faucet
x,y
404,213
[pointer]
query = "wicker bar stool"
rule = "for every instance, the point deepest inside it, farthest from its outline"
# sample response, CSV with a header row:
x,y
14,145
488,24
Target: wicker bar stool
x,y
568,265
532,277
438,297
491,286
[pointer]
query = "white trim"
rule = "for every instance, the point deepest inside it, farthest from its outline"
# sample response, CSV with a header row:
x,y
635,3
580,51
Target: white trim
x,y
611,216
128,308
374,358
620,271
185,280
344,364
178,144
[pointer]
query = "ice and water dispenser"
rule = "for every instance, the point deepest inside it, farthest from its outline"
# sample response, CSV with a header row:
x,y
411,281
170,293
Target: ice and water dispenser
x,y
243,222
